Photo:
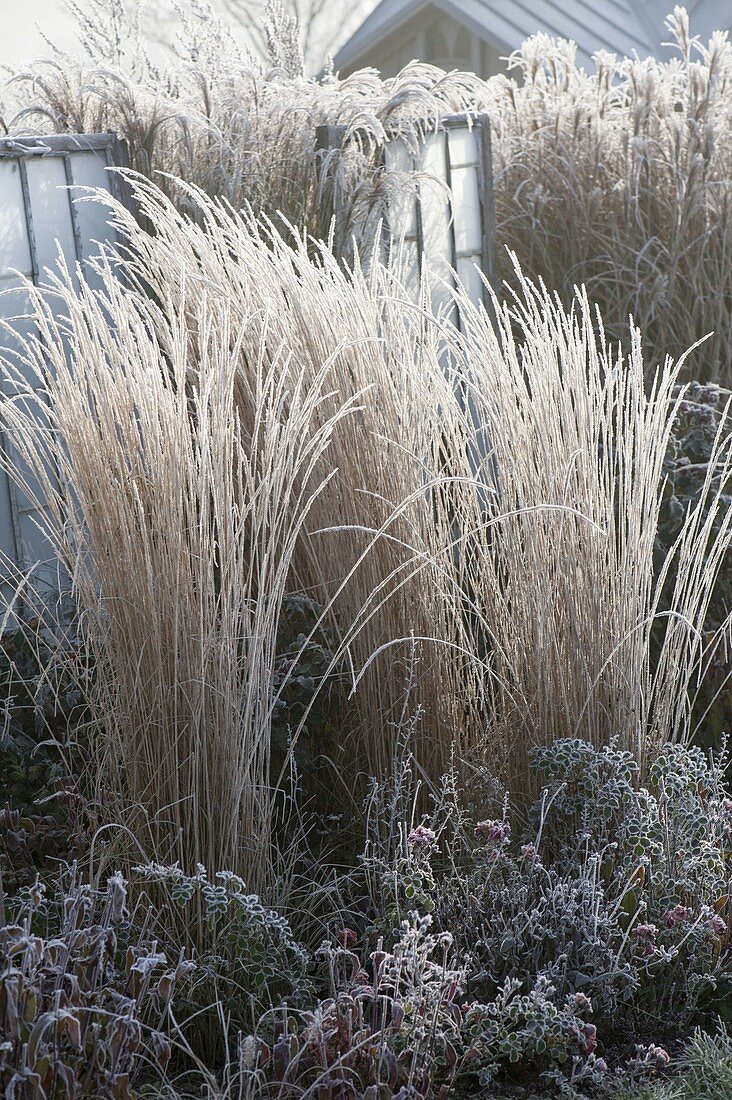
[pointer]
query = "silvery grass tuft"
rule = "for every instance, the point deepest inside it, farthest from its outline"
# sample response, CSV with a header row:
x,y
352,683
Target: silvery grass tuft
x,y
569,604
621,179
238,418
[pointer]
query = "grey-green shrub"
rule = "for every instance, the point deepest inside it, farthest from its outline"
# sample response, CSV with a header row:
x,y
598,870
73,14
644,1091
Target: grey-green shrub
x,y
250,953
610,890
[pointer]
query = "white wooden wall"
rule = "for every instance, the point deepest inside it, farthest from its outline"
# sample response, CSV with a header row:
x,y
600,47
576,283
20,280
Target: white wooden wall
x,y
443,219
447,224
39,218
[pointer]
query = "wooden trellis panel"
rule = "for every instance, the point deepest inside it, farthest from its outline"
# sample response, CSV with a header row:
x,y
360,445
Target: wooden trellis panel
x,y
39,218
444,221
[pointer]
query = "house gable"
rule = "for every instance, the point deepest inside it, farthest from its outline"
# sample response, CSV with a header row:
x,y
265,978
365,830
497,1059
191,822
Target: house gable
x,y
432,35
397,28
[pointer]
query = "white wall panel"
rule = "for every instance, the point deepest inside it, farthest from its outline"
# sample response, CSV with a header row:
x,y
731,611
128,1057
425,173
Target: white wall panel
x,y
51,207
449,213
439,213
466,205
14,314
402,207
89,170
463,146
436,215
15,254
39,219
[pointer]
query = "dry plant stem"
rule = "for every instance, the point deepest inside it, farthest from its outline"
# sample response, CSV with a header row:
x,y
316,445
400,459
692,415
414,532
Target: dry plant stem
x,y
388,457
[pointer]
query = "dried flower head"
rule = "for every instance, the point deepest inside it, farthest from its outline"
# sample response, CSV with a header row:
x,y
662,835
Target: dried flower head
x,y
679,914
421,837
493,832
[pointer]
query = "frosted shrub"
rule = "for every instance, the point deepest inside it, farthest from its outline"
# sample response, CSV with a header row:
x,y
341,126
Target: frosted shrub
x,y
612,894
536,1032
668,842
84,1000
249,949
518,919
397,1024
660,855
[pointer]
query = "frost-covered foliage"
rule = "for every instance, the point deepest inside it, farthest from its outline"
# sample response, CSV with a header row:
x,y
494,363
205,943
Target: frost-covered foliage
x,y
83,1000
390,1030
289,443
255,421
397,1024
472,952
611,893
555,956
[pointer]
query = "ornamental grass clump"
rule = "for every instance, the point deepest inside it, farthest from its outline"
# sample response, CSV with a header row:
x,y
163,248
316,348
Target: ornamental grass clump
x,y
567,592
192,408
239,418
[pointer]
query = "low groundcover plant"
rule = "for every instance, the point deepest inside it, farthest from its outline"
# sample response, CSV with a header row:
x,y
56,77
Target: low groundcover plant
x,y
551,958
